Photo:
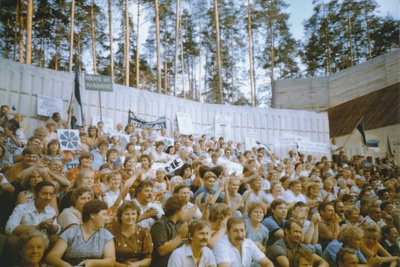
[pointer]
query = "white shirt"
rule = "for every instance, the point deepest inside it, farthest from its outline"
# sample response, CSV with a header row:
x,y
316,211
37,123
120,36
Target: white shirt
x,y
111,196
26,214
290,197
148,223
197,214
183,256
224,251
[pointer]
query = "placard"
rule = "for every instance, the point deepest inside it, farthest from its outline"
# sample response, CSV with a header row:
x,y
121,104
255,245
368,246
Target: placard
x,y
98,83
69,139
313,147
48,105
184,123
290,140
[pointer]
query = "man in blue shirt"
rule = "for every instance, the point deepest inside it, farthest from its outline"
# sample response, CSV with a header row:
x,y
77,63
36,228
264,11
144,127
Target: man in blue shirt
x,y
209,182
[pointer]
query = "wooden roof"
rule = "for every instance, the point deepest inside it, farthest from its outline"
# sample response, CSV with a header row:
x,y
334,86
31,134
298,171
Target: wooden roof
x,y
379,109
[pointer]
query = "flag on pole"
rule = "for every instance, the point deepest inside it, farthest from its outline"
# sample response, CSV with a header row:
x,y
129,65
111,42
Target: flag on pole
x,y
77,114
360,128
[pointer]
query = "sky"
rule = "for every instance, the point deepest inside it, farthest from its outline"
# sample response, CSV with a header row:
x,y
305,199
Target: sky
x,y
300,10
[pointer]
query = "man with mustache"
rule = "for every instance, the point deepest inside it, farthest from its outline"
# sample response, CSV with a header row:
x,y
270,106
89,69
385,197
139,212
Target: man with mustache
x,y
282,249
235,250
195,252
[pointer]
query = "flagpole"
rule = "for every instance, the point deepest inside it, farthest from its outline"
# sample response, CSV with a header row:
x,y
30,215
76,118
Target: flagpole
x,y
70,108
362,117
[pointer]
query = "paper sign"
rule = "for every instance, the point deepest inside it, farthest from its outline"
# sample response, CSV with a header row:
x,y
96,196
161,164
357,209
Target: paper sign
x,y
69,139
313,147
184,123
48,105
222,127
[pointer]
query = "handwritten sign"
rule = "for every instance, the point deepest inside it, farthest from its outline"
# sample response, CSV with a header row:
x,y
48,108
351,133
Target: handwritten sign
x,y
185,123
48,105
313,147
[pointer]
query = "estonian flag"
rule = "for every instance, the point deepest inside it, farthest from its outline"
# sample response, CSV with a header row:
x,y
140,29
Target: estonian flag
x,y
360,128
77,114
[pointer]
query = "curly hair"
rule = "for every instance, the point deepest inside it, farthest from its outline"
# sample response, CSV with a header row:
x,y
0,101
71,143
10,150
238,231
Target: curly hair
x,y
93,206
219,211
173,205
125,206
256,205
349,233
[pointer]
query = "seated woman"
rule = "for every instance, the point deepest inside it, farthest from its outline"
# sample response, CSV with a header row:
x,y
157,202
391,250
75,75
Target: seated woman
x,y
29,180
72,216
371,247
133,243
218,217
85,178
87,245
254,229
114,183
32,245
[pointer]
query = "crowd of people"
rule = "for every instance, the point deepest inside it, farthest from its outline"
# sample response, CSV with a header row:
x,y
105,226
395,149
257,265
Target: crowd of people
x,y
104,205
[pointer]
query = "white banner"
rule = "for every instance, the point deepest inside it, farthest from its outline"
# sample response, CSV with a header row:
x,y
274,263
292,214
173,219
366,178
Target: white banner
x,y
289,140
175,163
222,127
46,105
184,123
312,147
108,123
208,131
167,141
69,139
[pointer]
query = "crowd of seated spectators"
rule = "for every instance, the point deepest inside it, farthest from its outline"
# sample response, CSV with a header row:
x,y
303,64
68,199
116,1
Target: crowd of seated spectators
x,y
105,204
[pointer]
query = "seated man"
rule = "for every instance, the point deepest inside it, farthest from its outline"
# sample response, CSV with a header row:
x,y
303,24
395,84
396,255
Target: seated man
x,y
282,249
346,257
328,227
28,160
293,194
275,222
195,248
255,193
192,210
149,211
234,249
37,214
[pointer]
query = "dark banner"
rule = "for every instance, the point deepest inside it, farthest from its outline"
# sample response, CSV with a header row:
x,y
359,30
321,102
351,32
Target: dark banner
x,y
142,124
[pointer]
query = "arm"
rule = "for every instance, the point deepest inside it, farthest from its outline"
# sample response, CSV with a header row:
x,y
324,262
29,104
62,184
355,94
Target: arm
x,y
218,235
312,231
172,244
60,179
320,261
265,262
279,234
107,260
283,261
56,253
7,187
190,213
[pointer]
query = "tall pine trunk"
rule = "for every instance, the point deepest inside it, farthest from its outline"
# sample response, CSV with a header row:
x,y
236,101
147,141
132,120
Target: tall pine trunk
x,y
71,38
176,45
111,39
93,24
219,63
29,32
126,53
158,46
253,95
137,46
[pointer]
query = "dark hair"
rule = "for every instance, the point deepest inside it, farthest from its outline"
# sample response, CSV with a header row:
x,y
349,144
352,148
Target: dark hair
x,y
145,156
3,150
294,259
234,220
55,115
217,170
277,202
384,204
183,168
382,192
93,206
385,230
168,149
173,205
53,141
288,224
143,184
300,204
129,144
203,169
347,197
342,252
179,187
323,205
42,184
95,128
101,143
77,192
127,205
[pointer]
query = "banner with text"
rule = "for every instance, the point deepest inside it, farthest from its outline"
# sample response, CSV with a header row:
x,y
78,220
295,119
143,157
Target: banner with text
x,y
313,147
48,105
184,123
98,83
142,124
289,140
